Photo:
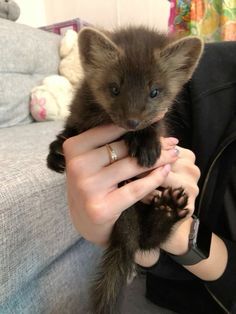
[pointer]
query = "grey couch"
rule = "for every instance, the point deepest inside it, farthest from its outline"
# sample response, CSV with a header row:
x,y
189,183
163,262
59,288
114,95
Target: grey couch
x,y
45,265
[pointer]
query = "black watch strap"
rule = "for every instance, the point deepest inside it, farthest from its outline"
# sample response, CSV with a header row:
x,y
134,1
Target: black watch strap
x,y
192,257
199,245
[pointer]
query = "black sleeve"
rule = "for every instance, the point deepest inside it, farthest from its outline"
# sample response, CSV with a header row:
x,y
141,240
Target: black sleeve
x,y
178,119
224,288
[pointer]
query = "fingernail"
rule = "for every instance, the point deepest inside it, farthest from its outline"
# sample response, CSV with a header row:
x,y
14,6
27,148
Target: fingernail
x,y
166,169
174,152
173,140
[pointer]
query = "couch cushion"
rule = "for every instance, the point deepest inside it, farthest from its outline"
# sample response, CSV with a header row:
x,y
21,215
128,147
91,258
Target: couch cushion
x,y
27,55
35,226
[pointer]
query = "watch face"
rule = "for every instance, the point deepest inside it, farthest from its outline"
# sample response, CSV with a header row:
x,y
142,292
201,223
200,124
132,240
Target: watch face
x,y
204,240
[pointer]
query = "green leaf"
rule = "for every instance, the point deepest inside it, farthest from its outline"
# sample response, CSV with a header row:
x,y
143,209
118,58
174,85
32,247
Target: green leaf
x,y
230,14
218,5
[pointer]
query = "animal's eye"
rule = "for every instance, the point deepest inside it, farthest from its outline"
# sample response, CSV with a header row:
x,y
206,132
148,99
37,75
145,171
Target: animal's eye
x,y
114,89
154,92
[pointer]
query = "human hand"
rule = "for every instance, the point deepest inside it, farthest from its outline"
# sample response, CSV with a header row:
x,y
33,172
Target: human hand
x,y
184,173
95,200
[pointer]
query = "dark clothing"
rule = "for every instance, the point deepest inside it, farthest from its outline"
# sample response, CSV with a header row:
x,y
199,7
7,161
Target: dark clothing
x,y
204,119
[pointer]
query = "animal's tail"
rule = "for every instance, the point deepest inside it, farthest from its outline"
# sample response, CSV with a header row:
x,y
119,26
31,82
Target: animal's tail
x,y
116,267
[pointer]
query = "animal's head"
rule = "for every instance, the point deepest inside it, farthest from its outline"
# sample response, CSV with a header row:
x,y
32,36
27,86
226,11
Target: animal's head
x,y
135,74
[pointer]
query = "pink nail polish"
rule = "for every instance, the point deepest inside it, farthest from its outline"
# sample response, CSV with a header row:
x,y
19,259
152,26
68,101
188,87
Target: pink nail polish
x,y
174,152
173,140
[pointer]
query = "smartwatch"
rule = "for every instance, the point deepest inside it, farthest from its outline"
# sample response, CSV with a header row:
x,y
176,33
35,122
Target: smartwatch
x,y
198,246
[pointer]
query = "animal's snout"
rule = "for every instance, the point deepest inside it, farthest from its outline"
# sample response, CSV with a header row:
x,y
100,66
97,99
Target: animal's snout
x,y
133,123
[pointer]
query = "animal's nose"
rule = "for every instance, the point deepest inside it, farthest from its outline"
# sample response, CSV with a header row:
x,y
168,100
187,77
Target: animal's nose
x,y
133,123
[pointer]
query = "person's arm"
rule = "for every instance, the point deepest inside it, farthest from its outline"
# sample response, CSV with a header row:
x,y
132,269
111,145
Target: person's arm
x,y
95,200
218,270
208,269
225,286
185,173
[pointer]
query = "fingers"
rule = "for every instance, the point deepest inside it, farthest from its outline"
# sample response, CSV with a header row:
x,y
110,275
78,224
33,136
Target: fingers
x,y
168,142
91,162
107,206
185,173
95,180
100,136
87,159
127,168
184,165
134,191
186,154
187,167
91,139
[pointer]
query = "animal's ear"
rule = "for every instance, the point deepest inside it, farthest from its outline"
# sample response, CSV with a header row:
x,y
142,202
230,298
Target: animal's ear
x,y
96,49
181,57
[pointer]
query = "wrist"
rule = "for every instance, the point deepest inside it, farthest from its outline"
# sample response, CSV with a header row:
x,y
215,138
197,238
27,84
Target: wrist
x,y
178,242
214,266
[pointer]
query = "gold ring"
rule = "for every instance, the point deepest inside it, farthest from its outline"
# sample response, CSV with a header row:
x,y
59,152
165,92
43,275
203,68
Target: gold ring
x,y
112,154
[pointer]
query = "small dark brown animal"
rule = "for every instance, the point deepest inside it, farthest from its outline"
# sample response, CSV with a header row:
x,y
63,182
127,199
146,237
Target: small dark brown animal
x,y
131,78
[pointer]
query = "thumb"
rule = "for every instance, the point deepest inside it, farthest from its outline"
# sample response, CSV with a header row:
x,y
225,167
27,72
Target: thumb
x,y
152,181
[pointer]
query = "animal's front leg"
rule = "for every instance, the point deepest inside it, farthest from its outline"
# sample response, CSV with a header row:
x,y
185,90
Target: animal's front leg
x,y
158,218
169,206
144,145
55,158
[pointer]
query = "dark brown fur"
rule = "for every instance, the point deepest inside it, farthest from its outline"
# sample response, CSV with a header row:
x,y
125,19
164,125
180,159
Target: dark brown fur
x,y
137,61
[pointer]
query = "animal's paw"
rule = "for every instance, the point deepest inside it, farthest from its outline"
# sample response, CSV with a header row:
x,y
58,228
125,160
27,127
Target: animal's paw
x,y
144,148
146,156
167,208
56,159
171,204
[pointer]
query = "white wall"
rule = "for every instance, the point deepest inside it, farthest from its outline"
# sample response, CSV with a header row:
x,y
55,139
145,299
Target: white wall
x,y
105,13
32,12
